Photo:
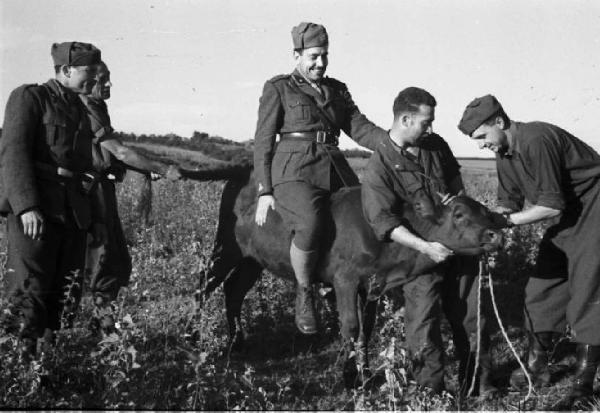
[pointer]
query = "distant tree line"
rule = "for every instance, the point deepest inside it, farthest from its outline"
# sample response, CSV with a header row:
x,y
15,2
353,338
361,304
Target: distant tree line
x,y
214,146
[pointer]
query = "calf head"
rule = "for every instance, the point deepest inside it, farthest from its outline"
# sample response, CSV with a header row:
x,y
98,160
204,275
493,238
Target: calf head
x,y
467,227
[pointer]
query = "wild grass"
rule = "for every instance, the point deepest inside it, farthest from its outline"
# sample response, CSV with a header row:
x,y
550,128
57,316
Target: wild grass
x,y
151,361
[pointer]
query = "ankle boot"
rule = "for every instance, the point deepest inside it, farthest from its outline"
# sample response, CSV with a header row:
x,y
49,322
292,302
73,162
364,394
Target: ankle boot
x,y
540,347
305,310
487,388
588,357
303,263
484,385
580,396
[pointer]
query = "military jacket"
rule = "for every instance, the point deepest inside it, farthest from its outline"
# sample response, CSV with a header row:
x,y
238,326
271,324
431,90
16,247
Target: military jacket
x,y
392,179
45,124
547,166
286,105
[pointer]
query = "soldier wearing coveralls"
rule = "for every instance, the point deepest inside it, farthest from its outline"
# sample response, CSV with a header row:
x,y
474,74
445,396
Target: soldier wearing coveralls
x,y
297,174
558,174
45,153
413,159
109,264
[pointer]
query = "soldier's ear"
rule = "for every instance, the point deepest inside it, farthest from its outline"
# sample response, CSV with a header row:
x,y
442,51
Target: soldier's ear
x,y
405,119
64,69
500,122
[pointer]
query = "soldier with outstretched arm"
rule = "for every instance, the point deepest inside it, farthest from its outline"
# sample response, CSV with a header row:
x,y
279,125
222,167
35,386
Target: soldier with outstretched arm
x,y
109,263
47,179
559,175
297,174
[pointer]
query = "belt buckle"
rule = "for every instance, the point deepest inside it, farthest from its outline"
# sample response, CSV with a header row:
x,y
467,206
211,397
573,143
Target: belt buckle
x,y
60,171
321,136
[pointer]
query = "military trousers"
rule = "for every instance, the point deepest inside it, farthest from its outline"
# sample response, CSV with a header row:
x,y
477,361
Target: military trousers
x,y
39,291
422,312
108,266
305,210
460,306
566,288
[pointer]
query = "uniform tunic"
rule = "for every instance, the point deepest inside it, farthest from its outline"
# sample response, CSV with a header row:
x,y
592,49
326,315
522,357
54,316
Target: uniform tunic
x,y
302,174
45,127
391,181
108,265
550,167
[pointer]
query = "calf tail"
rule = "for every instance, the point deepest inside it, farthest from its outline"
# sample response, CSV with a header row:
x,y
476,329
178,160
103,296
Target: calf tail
x,y
144,205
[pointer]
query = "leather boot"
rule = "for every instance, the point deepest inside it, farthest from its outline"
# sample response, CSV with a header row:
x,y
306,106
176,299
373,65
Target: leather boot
x,y
540,347
588,358
484,385
303,263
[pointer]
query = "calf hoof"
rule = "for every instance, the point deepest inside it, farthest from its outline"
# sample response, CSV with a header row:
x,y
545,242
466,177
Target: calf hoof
x,y
351,376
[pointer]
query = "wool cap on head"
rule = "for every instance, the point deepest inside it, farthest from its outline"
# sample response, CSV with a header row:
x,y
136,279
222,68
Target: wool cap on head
x,y
477,112
307,35
75,54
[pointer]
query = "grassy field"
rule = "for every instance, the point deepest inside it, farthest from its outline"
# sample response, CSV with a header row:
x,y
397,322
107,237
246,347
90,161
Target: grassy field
x,y
151,363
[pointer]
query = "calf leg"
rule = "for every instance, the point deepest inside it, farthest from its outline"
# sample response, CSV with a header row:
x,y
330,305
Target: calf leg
x,y
242,278
348,312
369,315
213,276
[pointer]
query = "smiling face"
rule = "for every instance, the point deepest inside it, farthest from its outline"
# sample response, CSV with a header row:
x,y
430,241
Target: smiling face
x,y
492,136
312,62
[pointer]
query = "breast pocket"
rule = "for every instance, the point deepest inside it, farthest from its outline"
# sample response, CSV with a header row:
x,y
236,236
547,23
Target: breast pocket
x,y
299,110
56,128
410,182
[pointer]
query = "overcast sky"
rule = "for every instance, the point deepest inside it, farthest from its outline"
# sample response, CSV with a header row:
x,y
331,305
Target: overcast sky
x,y
179,66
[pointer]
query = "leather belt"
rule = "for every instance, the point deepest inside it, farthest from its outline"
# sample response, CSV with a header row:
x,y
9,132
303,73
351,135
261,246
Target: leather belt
x,y
321,136
64,172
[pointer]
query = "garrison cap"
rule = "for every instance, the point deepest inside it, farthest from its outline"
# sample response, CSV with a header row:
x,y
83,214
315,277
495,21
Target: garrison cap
x,y
75,54
477,112
307,35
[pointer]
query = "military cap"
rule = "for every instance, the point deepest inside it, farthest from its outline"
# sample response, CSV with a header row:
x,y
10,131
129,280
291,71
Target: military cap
x,y
75,54
307,35
477,112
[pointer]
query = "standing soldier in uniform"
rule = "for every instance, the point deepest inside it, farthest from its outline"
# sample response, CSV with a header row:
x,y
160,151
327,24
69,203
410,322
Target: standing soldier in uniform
x,y
413,160
109,264
46,164
298,174
558,174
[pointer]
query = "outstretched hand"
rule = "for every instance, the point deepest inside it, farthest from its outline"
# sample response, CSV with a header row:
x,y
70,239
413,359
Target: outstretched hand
x,y
264,203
